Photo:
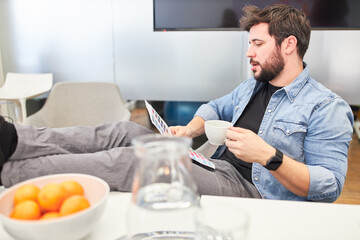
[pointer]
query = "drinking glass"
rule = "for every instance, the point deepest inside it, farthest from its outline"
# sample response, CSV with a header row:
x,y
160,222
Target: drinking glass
x,y
219,220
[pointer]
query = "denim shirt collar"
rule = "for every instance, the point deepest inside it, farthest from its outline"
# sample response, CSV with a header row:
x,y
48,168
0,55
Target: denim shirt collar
x,y
295,87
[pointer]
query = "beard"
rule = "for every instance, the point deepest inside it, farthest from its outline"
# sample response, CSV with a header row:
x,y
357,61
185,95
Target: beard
x,y
271,68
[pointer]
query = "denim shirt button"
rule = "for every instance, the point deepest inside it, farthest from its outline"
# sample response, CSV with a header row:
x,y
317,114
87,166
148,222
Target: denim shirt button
x,y
256,178
269,110
260,131
264,196
237,107
287,131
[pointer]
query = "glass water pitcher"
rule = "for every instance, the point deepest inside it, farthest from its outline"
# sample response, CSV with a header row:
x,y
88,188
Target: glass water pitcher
x,y
164,196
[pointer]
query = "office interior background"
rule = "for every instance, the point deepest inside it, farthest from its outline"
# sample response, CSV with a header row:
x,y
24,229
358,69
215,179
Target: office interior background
x,y
115,41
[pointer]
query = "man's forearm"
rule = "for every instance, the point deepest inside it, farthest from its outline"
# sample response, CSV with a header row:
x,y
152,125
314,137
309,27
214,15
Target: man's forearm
x,y
197,126
249,147
294,176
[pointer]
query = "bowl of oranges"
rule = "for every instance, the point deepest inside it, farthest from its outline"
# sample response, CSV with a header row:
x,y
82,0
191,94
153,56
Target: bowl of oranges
x,y
60,206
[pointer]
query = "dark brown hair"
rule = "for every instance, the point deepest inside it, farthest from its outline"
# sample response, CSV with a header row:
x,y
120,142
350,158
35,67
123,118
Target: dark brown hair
x,y
283,21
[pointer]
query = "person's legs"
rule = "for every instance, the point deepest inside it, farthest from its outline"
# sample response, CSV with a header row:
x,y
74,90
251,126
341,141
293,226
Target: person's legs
x,y
116,166
37,142
101,151
104,152
224,181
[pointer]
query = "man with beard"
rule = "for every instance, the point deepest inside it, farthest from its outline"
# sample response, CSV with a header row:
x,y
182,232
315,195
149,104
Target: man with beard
x,y
290,134
289,139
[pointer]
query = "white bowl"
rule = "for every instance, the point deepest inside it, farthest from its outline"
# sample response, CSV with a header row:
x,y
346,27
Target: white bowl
x,y
74,226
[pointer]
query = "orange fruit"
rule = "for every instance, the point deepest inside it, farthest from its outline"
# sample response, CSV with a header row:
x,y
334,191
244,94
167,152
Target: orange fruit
x,y
26,192
26,210
51,196
50,215
73,187
74,204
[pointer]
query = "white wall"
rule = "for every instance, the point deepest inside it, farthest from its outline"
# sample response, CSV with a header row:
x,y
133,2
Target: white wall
x,y
194,66
334,60
113,41
1,71
70,38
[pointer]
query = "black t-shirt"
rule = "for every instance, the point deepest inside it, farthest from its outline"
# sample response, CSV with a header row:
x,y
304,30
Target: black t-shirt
x,y
8,140
250,119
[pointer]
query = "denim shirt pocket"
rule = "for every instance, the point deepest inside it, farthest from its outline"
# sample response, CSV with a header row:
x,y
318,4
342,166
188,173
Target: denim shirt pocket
x,y
289,136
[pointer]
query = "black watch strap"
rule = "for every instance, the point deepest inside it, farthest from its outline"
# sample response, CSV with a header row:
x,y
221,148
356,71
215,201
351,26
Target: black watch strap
x,y
275,161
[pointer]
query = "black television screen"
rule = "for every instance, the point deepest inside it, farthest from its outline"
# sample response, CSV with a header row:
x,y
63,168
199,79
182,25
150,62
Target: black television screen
x,y
172,15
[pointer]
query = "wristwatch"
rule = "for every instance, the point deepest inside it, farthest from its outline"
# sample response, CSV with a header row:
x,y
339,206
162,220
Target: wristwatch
x,y
275,161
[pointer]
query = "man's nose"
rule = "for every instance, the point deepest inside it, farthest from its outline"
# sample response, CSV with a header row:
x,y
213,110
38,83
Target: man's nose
x,y
250,52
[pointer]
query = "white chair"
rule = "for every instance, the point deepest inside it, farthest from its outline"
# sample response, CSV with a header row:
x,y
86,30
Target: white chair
x,y
19,87
81,104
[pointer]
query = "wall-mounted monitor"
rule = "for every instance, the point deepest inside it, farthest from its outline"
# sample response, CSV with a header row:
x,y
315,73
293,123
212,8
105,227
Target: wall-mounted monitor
x,y
197,15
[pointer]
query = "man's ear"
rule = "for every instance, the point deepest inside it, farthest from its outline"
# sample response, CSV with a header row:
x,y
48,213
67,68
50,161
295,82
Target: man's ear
x,y
289,44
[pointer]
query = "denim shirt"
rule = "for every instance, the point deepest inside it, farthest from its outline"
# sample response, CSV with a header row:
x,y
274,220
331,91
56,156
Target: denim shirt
x,y
304,120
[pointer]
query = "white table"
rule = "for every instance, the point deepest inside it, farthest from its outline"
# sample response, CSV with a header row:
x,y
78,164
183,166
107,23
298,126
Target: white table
x,y
269,219
284,220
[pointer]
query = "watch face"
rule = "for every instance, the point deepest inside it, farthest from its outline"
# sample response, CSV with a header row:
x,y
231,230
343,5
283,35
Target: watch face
x,y
275,162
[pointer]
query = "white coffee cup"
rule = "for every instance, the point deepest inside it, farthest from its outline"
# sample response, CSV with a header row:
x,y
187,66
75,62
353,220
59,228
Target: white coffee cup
x,y
215,131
